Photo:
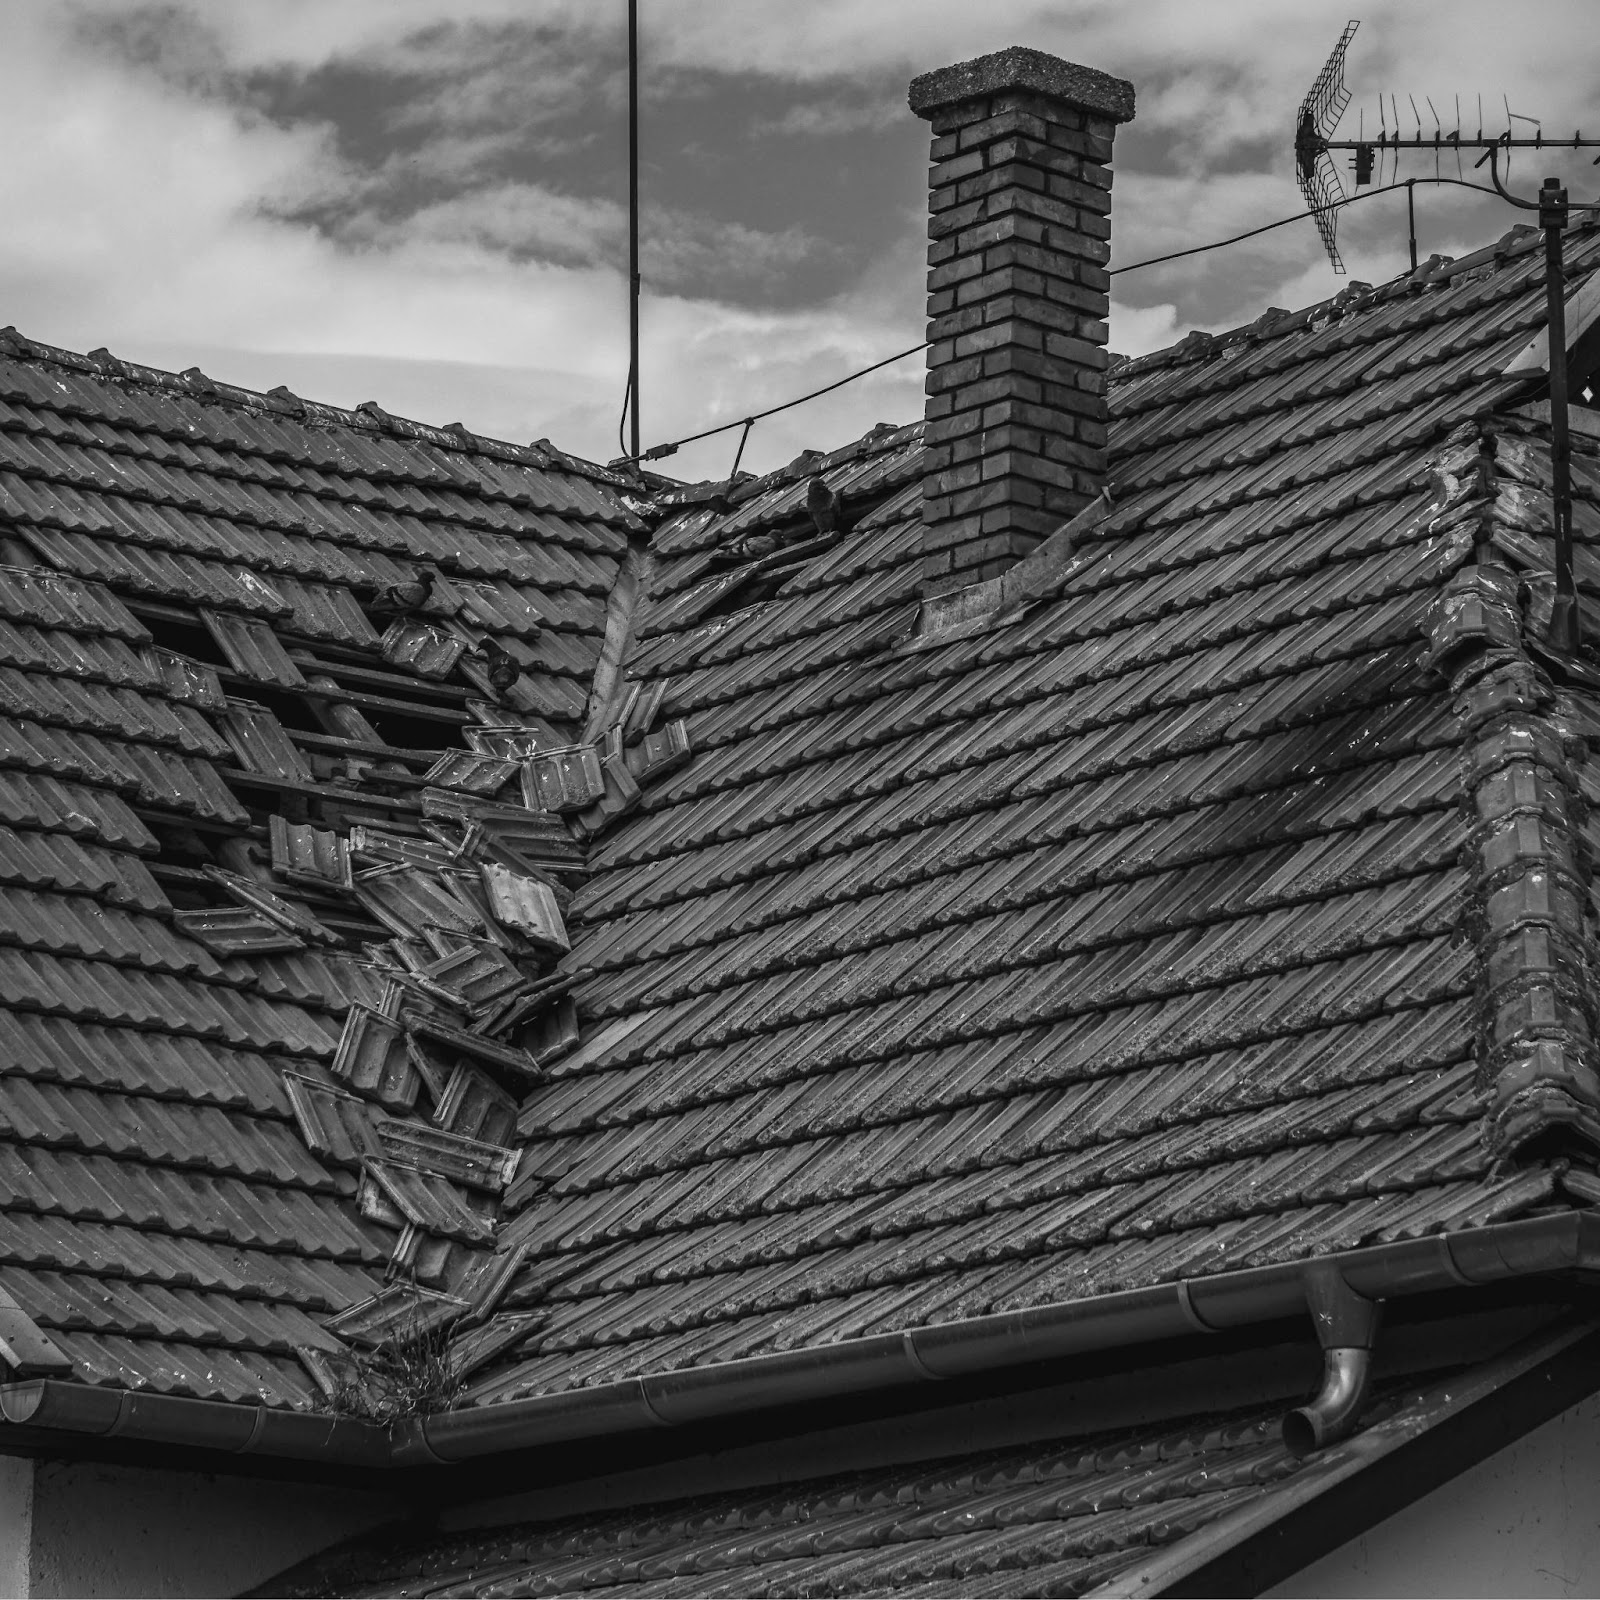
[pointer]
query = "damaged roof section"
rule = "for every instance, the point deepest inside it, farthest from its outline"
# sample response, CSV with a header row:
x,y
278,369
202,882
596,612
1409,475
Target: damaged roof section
x,y
279,924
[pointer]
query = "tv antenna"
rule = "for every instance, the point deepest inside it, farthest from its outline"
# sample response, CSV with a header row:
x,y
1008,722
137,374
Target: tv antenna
x,y
1320,114
1323,109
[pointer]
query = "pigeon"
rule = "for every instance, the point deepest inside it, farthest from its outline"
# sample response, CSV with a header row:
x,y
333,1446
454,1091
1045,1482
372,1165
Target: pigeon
x,y
822,506
401,599
500,667
751,547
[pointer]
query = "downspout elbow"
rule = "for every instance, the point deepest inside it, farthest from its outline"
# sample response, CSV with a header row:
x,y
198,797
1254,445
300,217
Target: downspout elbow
x,y
1331,1416
1347,1325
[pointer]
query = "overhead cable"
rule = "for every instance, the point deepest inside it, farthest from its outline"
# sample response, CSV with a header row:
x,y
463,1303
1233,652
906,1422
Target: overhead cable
x,y
660,451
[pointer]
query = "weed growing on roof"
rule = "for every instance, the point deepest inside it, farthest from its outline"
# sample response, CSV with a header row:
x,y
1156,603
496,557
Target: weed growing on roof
x,y
408,1374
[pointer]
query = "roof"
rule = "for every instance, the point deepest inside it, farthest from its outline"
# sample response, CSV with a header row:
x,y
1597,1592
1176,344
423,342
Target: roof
x,y
1045,1519
1111,943
1208,1501
913,976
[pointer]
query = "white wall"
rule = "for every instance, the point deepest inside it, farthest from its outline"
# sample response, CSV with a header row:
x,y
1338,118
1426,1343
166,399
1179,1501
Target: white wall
x,y
104,1530
16,1525
1523,1522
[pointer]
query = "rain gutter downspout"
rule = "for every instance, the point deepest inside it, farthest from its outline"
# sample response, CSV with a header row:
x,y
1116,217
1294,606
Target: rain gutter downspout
x,y
1224,1302
1347,1326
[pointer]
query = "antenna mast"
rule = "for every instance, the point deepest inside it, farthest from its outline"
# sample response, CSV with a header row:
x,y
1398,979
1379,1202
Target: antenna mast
x,y
633,229
1320,112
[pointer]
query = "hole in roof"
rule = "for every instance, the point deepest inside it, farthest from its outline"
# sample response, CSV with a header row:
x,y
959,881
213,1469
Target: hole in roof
x,y
182,635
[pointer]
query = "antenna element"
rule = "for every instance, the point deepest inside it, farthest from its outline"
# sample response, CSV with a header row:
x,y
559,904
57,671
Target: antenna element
x,y
1320,112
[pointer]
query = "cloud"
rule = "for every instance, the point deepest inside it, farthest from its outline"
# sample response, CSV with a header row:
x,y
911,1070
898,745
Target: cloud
x,y
1139,330
832,118
419,201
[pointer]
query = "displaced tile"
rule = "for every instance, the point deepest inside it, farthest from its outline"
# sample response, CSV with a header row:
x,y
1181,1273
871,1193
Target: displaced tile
x,y
252,648
189,680
476,1107
446,1154
236,930
526,905
374,1059
431,1204
306,854
261,744
335,1125
273,907
421,648
476,774
665,751
397,1312
480,973
563,780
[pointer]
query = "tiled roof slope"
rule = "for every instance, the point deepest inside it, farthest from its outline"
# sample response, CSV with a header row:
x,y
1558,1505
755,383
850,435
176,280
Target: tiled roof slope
x,y
1122,940
1059,1518
166,1221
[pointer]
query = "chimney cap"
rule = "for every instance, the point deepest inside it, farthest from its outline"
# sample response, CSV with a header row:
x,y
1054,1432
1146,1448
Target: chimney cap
x,y
1032,71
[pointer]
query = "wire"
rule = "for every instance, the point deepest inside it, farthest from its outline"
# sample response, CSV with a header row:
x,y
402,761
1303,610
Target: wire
x,y
746,422
657,452
1299,216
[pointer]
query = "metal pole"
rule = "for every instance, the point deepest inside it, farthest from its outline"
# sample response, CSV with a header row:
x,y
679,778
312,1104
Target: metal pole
x,y
1411,218
1564,624
633,227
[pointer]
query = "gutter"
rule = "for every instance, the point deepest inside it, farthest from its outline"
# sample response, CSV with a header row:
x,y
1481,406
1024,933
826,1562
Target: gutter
x,y
52,1405
1535,1246
1538,1245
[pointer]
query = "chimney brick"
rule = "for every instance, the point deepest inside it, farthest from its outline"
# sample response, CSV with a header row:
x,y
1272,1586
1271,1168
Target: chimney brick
x,y
1019,209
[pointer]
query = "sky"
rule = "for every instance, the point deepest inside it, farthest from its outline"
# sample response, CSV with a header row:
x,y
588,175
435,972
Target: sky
x,y
423,202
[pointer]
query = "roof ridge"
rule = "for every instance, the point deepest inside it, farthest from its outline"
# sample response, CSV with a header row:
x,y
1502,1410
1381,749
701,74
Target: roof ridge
x,y
1436,271
367,417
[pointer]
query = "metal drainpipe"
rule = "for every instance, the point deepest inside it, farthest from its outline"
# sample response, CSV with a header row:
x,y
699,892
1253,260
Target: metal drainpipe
x,y
1565,630
1347,1325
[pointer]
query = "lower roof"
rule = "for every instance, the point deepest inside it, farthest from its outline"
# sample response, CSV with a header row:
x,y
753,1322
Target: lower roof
x,y
1207,1502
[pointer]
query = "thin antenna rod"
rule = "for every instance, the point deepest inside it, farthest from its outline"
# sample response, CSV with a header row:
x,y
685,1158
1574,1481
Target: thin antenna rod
x,y
1565,628
633,228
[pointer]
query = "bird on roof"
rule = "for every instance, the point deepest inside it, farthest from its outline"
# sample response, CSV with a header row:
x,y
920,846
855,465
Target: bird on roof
x,y
822,505
501,668
409,595
750,548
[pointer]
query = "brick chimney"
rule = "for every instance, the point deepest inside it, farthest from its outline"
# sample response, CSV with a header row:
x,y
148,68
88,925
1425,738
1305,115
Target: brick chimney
x,y
1019,218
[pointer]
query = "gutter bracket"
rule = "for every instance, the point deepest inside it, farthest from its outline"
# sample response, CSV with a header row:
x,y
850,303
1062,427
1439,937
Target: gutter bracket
x,y
123,1417
255,1431
1190,1315
908,1343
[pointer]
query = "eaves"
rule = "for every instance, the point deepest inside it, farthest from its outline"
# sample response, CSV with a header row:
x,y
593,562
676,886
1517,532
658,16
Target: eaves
x,y
52,1416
